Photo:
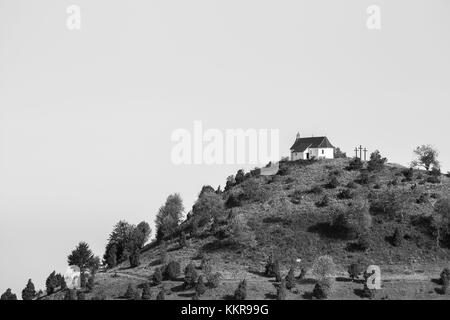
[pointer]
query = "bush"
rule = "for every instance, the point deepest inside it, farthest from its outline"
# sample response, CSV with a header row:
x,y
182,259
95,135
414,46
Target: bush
x,y
190,276
433,179
281,291
200,287
355,270
333,183
345,194
351,185
241,291
81,295
8,295
213,279
161,295
389,203
445,276
323,288
364,178
51,283
233,201
90,283
135,259
29,293
323,202
131,293
408,174
290,279
316,190
368,293
172,270
163,253
363,242
323,267
184,243
157,276
397,238
146,292
355,164
376,162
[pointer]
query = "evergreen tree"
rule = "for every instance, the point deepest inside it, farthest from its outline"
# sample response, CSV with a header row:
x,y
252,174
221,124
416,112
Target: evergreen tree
x,y
29,293
8,295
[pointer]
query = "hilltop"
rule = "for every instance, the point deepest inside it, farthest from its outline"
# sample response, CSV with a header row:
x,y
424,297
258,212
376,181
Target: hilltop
x,y
308,209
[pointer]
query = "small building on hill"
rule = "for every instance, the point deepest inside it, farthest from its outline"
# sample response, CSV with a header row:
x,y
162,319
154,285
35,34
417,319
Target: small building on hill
x,y
311,148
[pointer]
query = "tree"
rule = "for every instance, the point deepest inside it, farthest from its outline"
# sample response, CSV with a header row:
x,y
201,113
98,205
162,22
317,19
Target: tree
x,y
117,245
81,295
241,292
200,287
290,279
169,216
29,293
8,295
81,256
141,234
51,284
157,276
355,270
190,276
172,270
161,295
339,154
131,293
323,267
208,206
146,292
241,233
281,290
323,288
90,283
240,175
441,218
376,162
397,238
426,157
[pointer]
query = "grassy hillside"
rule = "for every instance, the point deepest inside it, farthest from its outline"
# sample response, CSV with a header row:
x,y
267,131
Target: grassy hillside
x,y
292,215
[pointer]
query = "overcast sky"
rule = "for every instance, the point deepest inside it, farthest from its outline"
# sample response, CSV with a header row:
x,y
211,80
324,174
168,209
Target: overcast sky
x,y
86,116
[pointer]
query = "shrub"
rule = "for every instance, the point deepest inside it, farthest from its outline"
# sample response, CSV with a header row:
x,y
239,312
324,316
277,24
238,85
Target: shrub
x,y
433,179
163,253
408,174
190,276
363,242
290,279
233,201
184,243
323,202
90,283
169,216
368,293
146,292
8,295
376,162
302,274
339,154
51,283
355,164
445,275
397,238
81,256
389,203
81,295
333,183
70,294
200,287
240,233
355,270
345,194
426,157
135,259
29,293
213,279
270,267
445,285
363,178
161,295
172,270
316,190
157,276
281,290
353,222
131,292
351,185
323,267
323,288
241,292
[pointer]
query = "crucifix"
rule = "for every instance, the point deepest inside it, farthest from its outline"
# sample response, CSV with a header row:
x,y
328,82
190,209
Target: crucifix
x,y
356,151
365,152
360,151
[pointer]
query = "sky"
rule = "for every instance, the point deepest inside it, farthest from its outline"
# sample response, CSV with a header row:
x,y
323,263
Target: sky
x,y
86,116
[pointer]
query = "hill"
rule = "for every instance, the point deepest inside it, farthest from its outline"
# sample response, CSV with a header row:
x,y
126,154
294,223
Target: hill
x,y
308,209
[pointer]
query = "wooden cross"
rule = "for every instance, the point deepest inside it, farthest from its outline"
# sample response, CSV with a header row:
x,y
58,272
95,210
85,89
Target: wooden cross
x,y
365,151
356,151
360,152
